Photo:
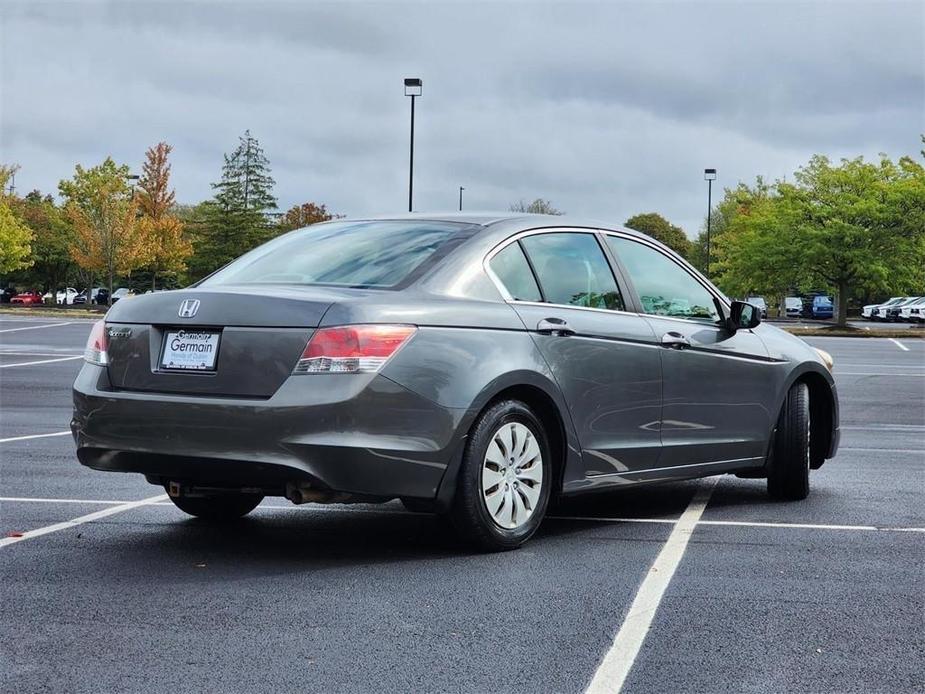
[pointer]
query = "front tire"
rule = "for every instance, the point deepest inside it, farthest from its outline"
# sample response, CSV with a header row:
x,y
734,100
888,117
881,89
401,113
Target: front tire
x,y
788,464
218,507
504,480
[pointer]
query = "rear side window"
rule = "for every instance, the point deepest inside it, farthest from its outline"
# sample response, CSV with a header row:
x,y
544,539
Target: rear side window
x,y
350,254
572,270
511,267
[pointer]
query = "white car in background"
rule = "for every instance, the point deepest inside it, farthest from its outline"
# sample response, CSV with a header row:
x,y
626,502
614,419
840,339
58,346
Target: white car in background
x,y
66,296
792,307
914,312
878,311
760,303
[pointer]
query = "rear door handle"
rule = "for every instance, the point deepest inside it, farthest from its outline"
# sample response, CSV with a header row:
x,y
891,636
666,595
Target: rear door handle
x,y
554,326
674,340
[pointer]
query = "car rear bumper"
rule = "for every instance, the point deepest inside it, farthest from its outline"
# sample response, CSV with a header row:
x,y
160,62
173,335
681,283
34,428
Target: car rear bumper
x,y
363,435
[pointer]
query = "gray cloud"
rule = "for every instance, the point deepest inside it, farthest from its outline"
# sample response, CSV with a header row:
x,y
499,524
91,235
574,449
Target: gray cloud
x,y
607,109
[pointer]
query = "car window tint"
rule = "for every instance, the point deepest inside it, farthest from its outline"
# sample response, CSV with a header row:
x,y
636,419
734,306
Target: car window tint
x,y
664,287
511,267
572,270
355,254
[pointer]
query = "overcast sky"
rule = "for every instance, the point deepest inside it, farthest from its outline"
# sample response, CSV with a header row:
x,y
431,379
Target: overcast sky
x,y
606,109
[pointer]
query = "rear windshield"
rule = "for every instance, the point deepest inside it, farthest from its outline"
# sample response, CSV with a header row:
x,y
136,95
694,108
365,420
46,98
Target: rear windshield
x,y
349,254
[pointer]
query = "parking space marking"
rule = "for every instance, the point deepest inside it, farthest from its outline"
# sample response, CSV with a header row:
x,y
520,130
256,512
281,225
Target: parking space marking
x,y
36,327
35,436
618,661
870,373
919,451
80,520
40,361
899,344
319,508
5,353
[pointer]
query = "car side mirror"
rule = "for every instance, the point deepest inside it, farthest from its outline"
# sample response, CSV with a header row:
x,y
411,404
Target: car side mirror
x,y
743,316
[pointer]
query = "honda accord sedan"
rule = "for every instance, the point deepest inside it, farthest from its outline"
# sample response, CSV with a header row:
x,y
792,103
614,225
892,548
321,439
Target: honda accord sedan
x,y
474,366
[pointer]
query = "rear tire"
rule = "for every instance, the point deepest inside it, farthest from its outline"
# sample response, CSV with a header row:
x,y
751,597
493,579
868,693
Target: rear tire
x,y
788,464
504,480
218,507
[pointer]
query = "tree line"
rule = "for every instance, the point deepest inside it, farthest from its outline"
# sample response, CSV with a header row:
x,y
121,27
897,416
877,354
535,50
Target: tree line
x,y
854,228
112,226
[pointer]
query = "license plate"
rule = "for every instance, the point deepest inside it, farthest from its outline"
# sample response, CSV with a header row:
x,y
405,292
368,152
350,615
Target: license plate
x,y
190,350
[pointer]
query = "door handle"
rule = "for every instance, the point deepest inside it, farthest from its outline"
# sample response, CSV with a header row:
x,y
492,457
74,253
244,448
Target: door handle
x,y
554,326
674,340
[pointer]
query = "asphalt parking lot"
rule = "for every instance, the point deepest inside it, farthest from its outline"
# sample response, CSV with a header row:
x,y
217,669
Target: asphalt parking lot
x,y
825,595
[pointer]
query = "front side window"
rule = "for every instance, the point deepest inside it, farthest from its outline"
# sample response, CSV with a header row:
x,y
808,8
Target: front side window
x,y
352,254
664,287
511,267
572,270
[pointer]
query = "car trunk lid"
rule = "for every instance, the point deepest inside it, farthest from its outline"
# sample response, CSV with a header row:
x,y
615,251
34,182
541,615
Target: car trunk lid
x,y
246,339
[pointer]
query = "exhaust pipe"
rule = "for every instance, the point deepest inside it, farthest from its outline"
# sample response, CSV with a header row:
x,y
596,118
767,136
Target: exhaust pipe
x,y
306,494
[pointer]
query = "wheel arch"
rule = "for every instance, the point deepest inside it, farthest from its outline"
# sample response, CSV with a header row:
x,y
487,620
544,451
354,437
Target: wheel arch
x,y
542,396
823,411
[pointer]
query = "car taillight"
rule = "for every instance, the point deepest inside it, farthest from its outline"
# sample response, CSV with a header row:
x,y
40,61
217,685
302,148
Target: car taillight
x,y
97,345
352,348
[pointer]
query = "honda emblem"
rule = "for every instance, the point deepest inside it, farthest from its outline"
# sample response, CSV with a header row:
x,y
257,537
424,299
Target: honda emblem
x,y
188,308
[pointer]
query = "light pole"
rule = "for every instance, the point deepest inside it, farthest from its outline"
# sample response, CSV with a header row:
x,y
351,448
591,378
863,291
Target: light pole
x,y
461,189
413,88
132,178
709,175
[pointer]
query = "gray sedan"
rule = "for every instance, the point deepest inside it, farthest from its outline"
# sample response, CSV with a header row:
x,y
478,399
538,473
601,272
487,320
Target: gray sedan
x,y
475,366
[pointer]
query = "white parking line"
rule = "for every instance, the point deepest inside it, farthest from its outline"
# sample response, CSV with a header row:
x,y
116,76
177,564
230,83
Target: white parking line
x,y
899,344
4,353
903,374
618,661
35,436
96,515
40,361
35,327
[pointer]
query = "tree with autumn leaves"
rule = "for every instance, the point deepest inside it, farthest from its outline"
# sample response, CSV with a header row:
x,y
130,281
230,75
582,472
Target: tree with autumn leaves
x,y
117,230
166,248
101,208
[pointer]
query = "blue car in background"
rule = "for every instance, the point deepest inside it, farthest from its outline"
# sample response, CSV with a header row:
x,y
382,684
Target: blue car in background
x,y
822,307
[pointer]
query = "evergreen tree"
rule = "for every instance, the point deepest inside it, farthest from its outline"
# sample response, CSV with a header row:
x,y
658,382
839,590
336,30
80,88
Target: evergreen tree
x,y
240,216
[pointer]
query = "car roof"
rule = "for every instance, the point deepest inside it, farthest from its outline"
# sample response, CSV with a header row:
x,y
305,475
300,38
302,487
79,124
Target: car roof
x,y
494,220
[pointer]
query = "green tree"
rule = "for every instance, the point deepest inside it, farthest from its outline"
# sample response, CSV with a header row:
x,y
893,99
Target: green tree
x,y
240,216
538,206
848,226
52,264
106,235
661,229
15,235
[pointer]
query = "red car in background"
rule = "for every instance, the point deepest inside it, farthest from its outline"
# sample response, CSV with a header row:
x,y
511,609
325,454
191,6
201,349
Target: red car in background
x,y
28,298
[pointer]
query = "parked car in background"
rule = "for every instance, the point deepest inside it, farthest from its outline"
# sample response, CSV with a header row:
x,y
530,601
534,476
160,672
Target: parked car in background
x,y
868,309
30,298
893,312
914,312
878,311
100,295
792,307
760,303
473,366
822,307
121,293
7,294
66,296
